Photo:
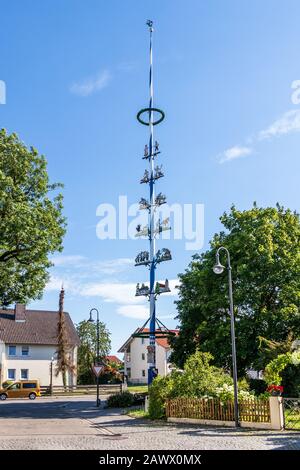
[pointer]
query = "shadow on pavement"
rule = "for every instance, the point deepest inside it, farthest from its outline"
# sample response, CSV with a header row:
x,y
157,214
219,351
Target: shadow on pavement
x,y
40,409
277,440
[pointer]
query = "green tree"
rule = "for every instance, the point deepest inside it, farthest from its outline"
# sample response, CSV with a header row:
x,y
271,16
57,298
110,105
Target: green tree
x,y
87,351
265,255
31,222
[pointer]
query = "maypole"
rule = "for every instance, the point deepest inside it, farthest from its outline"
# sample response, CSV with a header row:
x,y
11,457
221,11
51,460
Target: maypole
x,y
154,227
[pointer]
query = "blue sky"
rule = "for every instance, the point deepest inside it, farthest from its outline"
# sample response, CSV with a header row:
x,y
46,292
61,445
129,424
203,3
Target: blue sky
x,y
76,73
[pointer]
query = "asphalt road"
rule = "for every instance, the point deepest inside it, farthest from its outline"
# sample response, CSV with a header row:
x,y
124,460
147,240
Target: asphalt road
x,y
76,423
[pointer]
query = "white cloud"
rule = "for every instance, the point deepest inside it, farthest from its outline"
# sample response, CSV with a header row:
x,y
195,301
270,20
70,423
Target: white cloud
x,y
115,265
90,85
82,277
134,311
67,260
88,266
287,123
234,152
55,284
121,293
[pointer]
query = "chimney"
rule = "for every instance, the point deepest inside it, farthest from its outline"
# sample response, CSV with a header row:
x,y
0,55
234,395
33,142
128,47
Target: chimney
x,y
20,315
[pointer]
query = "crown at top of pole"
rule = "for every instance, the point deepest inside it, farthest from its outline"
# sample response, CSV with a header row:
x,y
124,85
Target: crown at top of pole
x,y
149,23
150,26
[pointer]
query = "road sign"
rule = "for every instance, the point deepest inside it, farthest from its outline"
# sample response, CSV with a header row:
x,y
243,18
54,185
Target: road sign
x,y
97,370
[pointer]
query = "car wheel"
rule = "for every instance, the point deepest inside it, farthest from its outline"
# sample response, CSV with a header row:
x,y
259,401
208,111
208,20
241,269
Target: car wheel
x,y
3,396
32,396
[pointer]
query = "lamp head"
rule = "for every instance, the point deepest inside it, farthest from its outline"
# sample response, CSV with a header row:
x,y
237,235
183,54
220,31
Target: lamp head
x,y
91,318
218,268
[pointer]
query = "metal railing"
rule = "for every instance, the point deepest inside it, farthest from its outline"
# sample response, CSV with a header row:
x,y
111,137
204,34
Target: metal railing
x,y
291,407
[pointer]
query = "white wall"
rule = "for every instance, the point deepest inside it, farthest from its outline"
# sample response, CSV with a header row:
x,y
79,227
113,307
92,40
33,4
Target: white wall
x,y
2,361
137,364
37,362
161,360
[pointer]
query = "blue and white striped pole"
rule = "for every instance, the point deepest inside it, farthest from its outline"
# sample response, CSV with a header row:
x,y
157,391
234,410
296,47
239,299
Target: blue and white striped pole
x,y
151,365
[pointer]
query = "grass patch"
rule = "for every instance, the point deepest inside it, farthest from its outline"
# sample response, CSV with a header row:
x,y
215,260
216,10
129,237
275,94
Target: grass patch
x,y
138,414
137,388
292,420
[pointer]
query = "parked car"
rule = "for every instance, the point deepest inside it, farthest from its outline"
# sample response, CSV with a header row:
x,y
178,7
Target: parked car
x,y
21,389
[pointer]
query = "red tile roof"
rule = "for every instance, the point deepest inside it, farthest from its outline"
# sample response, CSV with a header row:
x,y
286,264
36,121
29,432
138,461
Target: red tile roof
x,y
113,359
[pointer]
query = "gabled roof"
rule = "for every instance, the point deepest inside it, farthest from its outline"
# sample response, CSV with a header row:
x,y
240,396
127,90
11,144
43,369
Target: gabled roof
x,y
163,342
39,327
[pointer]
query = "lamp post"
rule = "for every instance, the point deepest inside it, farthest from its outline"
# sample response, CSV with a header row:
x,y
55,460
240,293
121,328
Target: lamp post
x,y
51,375
218,269
97,353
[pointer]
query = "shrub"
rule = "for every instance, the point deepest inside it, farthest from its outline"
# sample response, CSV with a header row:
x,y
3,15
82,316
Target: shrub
x,y
198,379
159,392
291,381
120,400
258,386
226,392
273,370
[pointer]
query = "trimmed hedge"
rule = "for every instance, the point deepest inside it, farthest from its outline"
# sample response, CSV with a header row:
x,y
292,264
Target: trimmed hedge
x,y
120,400
125,399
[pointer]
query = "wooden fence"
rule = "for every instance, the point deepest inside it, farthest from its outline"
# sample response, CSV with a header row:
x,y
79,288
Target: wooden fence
x,y
213,409
104,389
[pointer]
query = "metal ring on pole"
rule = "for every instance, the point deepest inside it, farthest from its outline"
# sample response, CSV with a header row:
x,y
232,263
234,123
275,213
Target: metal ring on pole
x,y
150,110
157,334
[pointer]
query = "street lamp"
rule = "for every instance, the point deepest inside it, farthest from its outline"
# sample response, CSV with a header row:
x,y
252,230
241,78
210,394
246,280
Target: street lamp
x,y
51,375
97,354
218,269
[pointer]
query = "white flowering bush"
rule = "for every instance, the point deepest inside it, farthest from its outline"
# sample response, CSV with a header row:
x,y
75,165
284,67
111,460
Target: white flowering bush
x,y
226,392
295,358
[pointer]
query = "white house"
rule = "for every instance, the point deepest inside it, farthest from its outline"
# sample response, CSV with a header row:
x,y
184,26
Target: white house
x,y
135,357
28,344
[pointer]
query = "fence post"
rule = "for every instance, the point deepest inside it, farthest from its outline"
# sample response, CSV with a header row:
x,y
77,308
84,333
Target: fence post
x,y
276,412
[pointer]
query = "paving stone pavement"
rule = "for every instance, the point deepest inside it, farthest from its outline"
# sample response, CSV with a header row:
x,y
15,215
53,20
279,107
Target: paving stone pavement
x,y
78,424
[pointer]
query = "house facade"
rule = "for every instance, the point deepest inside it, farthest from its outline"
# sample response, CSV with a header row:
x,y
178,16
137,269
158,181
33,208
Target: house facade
x,y
135,358
28,345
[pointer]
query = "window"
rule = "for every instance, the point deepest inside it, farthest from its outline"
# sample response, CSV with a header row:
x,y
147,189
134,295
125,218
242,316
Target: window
x,y
25,350
11,374
12,350
128,358
143,373
143,356
16,386
143,340
30,385
24,374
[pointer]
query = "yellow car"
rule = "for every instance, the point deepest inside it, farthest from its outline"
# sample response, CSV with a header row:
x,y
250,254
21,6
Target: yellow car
x,y
21,389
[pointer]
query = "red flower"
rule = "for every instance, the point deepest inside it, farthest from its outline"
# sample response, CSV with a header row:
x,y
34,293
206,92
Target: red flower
x,y
276,388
